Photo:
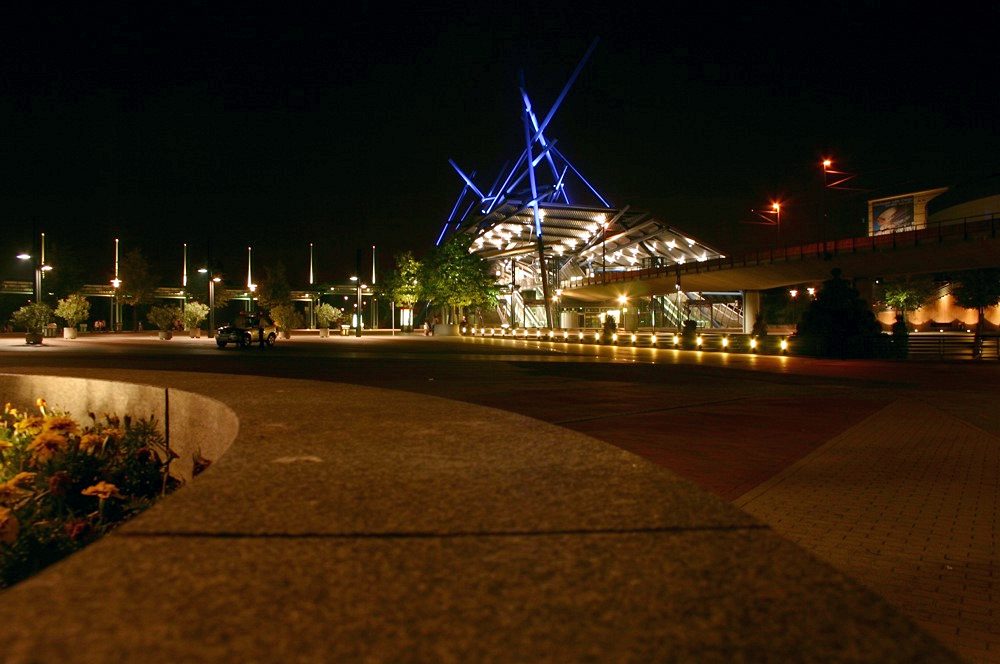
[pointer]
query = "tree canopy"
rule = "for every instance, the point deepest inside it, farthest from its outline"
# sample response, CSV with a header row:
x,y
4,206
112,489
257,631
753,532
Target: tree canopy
x,y
403,286
838,322
452,277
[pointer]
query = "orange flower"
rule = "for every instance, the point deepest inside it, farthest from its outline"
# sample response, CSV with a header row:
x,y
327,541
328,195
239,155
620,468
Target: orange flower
x,y
102,490
40,402
61,424
91,443
22,480
9,526
10,494
45,446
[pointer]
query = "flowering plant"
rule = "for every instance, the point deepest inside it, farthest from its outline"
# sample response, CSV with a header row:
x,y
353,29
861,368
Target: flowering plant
x,y
63,485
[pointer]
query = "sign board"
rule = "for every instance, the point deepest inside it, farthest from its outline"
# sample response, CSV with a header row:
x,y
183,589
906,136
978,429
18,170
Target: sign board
x,y
900,213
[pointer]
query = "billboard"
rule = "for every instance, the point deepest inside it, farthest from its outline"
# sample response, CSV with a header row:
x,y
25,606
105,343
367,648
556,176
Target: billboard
x,y
889,216
900,213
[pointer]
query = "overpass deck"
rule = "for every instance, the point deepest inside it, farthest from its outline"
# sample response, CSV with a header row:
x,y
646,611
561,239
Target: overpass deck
x,y
943,247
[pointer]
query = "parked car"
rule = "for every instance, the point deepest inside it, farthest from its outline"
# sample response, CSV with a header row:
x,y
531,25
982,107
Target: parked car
x,y
244,332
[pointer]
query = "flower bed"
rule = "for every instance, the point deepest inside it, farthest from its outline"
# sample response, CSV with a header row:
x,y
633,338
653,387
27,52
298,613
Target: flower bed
x,y
64,485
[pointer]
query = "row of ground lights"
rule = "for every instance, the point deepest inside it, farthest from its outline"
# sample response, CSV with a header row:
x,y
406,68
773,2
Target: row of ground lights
x,y
552,335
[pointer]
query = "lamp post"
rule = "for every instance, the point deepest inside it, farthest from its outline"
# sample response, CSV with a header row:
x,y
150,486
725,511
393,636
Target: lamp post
x,y
826,163
312,296
357,307
776,206
115,284
211,302
251,286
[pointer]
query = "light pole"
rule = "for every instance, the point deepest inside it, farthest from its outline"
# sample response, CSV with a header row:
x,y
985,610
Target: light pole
x,y
251,286
357,307
115,284
312,296
776,206
822,221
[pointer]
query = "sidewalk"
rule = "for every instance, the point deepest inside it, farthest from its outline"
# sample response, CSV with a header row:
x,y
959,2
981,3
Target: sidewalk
x,y
906,502
351,523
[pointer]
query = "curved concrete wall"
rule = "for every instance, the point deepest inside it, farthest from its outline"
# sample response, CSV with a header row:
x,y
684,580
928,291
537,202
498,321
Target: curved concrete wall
x,y
197,424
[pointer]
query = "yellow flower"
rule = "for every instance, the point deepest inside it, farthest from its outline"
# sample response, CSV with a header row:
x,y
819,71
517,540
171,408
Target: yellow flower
x,y
45,446
31,425
102,490
40,402
91,443
61,424
9,526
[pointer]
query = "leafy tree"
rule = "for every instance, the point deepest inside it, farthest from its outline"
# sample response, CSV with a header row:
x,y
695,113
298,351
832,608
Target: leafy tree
x,y
33,317
906,293
138,283
287,317
194,313
74,309
453,278
838,322
328,315
274,289
977,289
164,318
403,286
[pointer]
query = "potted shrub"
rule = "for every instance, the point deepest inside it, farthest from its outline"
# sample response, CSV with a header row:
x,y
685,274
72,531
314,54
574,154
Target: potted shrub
x,y
164,318
286,317
194,314
327,316
73,309
33,318
608,329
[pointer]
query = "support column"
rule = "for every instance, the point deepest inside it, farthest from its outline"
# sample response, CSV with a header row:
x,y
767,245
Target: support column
x,y
751,308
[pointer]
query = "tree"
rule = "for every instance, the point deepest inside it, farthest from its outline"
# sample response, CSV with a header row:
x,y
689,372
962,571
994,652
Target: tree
x,y
74,309
838,322
164,318
906,293
403,286
33,317
287,317
194,313
274,289
138,283
328,315
977,289
452,278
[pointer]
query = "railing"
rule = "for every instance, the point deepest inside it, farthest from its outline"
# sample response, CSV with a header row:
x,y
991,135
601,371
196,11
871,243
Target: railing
x,y
964,228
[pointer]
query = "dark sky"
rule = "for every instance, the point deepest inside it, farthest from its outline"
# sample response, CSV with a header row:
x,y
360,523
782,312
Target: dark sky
x,y
165,123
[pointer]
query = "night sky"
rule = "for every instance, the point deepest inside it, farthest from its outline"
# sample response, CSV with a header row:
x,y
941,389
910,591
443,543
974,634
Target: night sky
x,y
169,123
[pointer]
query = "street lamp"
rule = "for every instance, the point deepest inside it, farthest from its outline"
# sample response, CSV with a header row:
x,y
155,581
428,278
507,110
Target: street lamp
x,y
358,307
115,284
211,301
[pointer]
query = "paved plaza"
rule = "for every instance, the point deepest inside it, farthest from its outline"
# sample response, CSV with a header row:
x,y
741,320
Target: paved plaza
x,y
888,471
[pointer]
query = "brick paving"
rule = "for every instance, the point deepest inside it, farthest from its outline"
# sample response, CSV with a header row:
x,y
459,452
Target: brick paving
x,y
906,502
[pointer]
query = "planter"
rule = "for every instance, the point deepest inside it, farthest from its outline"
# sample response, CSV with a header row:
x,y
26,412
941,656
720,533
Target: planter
x,y
324,332
447,330
165,334
69,333
33,338
195,333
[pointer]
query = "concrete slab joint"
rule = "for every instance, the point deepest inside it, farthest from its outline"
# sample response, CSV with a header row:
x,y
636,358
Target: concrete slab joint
x,y
358,523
